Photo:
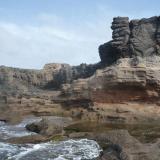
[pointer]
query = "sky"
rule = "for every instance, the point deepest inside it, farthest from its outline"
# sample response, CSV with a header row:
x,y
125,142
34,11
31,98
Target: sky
x,y
36,32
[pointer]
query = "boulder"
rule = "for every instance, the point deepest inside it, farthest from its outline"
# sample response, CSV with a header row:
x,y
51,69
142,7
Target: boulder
x,y
49,126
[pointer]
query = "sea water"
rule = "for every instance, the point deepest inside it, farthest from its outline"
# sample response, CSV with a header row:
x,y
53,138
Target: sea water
x,y
81,149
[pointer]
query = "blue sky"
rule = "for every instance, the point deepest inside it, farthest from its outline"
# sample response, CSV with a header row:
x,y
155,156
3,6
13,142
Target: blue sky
x,y
35,32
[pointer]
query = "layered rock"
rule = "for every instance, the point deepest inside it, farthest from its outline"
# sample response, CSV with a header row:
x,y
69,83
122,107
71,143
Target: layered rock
x,y
127,80
135,38
135,83
124,88
132,39
120,35
50,77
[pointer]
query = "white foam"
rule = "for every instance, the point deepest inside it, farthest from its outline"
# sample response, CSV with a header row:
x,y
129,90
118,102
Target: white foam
x,y
59,158
8,131
71,149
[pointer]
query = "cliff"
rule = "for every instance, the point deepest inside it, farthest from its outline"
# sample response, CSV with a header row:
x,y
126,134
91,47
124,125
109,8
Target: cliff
x,y
97,101
50,77
130,64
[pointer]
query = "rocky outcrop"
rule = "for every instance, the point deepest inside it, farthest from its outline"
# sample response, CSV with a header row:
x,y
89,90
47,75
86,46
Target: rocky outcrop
x,y
143,40
122,146
131,39
51,77
130,79
120,35
133,82
23,80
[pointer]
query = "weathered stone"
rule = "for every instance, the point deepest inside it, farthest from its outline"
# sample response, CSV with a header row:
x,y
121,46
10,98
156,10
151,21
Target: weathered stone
x,y
132,39
49,126
143,40
121,146
108,54
120,35
135,77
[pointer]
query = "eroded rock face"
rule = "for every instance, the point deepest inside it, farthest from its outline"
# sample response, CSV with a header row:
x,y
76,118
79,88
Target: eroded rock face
x,y
24,80
122,146
51,77
107,53
132,39
135,38
120,35
143,37
129,79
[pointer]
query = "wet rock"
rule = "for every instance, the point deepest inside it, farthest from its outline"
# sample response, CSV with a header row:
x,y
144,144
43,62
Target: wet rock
x,y
119,145
34,127
27,139
49,126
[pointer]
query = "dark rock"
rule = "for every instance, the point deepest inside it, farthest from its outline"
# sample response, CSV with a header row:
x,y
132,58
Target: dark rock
x,y
121,32
143,37
3,120
34,127
132,39
108,54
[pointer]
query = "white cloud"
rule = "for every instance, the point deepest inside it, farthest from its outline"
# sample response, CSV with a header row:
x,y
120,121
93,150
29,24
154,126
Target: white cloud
x,y
29,46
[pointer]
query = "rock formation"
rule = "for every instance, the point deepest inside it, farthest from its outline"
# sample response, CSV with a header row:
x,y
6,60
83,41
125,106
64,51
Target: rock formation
x,y
134,51
123,88
128,72
122,146
131,39
49,125
50,77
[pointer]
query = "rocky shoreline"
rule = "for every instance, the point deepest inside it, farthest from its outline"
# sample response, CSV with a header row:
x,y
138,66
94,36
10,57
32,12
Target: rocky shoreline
x,y
115,101
114,139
